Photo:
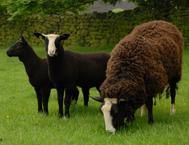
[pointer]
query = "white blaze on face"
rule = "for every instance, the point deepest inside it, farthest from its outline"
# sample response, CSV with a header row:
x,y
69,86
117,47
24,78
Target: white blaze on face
x,y
51,45
106,112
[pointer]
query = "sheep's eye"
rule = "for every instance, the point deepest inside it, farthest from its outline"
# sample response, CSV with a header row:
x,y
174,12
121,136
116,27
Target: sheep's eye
x,y
114,110
20,43
58,40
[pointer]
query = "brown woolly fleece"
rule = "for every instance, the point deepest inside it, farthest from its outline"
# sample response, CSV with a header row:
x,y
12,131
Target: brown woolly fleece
x,y
144,62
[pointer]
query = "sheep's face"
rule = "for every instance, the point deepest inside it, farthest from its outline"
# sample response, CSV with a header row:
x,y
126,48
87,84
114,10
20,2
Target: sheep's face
x,y
17,49
122,113
118,114
115,113
108,118
53,42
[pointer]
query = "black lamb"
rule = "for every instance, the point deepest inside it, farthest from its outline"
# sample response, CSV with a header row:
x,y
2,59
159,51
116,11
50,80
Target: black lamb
x,y
37,71
67,69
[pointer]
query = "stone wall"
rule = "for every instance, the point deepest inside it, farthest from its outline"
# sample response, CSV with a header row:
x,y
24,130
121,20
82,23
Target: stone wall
x,y
88,30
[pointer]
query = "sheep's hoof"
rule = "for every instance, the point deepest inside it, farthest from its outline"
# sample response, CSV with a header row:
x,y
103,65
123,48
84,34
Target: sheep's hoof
x,y
172,110
112,131
65,118
67,115
86,104
150,122
60,115
40,111
46,113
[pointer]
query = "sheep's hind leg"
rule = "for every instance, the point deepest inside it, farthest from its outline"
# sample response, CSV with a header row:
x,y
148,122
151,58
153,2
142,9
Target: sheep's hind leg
x,y
173,94
46,94
75,95
86,96
149,105
39,99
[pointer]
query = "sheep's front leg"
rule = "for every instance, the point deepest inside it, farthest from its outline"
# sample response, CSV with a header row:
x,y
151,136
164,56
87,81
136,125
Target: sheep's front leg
x,y
39,99
75,95
67,101
86,96
60,92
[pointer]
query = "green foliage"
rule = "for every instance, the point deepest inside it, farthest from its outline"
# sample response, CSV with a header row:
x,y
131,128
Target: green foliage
x,y
87,30
2,10
159,4
111,1
24,8
18,9
20,124
161,9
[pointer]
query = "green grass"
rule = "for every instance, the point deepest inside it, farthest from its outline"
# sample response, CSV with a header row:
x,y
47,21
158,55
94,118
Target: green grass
x,y
20,124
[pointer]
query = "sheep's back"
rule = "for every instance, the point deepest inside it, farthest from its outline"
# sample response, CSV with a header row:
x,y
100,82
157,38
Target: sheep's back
x,y
152,52
125,66
157,29
90,67
39,75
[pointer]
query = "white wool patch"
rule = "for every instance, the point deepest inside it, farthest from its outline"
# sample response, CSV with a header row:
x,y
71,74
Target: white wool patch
x,y
51,45
107,116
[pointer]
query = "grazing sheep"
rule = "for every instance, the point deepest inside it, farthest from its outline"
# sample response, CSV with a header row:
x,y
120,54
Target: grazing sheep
x,y
37,71
141,66
67,69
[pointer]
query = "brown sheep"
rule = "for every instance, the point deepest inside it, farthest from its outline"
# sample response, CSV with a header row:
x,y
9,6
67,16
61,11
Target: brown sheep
x,y
141,66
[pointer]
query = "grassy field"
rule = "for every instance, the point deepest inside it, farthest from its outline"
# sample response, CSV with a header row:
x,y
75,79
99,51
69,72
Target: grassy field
x,y
20,124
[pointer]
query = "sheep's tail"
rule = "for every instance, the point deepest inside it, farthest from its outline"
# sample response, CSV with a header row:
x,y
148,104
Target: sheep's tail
x,y
160,95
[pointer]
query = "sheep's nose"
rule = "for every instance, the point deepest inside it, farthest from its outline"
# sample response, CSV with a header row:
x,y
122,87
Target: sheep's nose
x,y
51,52
8,53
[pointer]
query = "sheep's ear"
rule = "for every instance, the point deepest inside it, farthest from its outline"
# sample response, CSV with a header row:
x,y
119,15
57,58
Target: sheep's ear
x,y
22,38
122,100
37,34
64,36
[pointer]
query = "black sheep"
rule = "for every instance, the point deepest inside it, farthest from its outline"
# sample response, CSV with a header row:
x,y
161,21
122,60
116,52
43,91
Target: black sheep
x,y
37,71
67,69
